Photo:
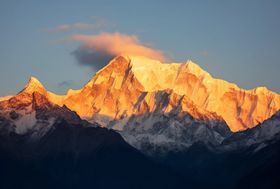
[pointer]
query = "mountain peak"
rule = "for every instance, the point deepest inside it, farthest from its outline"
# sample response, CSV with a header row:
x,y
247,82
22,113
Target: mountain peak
x,y
196,69
34,85
119,62
117,70
33,79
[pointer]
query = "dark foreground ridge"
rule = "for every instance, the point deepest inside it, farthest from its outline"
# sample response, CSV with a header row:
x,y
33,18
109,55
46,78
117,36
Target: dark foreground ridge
x,y
73,156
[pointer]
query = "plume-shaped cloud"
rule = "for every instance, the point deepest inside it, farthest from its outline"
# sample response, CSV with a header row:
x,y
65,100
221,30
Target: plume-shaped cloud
x,y
97,50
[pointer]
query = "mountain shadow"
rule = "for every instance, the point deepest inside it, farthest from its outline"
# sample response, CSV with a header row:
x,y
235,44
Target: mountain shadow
x,y
74,156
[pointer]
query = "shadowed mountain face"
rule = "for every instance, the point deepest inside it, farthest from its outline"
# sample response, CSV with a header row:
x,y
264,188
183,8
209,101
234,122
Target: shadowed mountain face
x,y
74,156
240,169
248,159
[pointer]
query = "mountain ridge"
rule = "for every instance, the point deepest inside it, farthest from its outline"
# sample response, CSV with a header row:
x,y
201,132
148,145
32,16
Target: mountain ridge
x,y
127,79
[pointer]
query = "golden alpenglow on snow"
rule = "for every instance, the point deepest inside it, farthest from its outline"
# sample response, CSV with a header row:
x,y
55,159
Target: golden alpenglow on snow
x,y
129,85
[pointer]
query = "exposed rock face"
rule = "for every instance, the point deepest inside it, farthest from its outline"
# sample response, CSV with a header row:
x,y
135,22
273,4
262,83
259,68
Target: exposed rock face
x,y
111,92
116,93
134,85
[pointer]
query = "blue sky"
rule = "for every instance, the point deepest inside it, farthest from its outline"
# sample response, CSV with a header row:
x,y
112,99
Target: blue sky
x,y
238,41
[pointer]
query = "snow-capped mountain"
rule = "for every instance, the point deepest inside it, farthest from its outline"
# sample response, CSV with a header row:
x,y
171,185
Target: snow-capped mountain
x,y
185,120
155,106
126,86
31,111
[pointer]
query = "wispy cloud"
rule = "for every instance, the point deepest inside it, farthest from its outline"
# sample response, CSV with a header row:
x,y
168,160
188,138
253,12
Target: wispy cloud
x,y
97,50
77,26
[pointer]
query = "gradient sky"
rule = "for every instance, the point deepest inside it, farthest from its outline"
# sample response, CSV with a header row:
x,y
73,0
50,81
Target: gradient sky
x,y
238,41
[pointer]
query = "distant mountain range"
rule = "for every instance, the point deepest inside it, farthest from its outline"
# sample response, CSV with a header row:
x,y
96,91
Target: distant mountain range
x,y
140,123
